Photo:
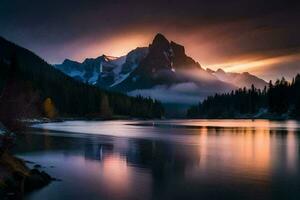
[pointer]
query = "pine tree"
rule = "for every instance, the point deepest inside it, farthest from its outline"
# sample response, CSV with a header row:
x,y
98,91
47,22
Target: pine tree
x,y
279,98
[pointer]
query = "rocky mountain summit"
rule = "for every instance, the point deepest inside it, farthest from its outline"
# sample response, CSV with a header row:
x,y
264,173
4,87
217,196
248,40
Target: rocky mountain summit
x,y
162,67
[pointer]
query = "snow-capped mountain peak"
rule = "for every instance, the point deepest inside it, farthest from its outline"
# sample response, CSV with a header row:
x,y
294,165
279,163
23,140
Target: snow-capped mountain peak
x,y
159,69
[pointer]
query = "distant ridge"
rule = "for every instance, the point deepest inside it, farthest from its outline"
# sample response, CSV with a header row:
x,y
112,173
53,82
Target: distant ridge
x,y
240,80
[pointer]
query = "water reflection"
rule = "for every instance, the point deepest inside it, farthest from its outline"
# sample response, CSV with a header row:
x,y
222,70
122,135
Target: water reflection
x,y
176,160
240,152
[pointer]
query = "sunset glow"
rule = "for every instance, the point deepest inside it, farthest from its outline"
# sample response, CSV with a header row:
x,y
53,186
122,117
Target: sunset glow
x,y
255,65
119,46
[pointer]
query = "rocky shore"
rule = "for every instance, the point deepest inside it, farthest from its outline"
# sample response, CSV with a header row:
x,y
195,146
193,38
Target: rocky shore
x,y
16,178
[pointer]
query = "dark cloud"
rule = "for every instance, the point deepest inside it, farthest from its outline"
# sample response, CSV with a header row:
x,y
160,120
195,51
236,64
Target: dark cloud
x,y
213,31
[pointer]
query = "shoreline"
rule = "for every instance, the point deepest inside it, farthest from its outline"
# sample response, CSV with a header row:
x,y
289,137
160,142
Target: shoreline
x,y
29,122
17,179
62,119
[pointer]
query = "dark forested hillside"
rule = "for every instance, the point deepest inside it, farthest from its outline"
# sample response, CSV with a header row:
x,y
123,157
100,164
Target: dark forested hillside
x,y
279,99
27,79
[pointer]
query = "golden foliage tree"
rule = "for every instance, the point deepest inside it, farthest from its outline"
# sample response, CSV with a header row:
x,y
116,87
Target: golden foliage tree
x,y
49,108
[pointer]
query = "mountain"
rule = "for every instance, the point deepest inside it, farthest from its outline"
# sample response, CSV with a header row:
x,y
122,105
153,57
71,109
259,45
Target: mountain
x,y
167,64
244,79
28,83
162,70
104,71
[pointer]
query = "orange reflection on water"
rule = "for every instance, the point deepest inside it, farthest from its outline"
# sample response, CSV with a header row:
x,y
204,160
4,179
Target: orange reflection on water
x,y
116,173
247,153
292,147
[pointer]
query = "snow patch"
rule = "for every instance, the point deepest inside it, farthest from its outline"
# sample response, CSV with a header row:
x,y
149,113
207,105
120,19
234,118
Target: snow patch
x,y
94,78
76,73
120,79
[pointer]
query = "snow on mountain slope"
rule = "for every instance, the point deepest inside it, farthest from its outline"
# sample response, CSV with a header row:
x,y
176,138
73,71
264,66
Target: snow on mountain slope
x,y
103,71
132,61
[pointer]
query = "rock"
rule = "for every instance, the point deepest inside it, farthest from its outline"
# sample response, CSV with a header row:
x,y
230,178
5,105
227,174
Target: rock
x,y
37,166
36,179
29,162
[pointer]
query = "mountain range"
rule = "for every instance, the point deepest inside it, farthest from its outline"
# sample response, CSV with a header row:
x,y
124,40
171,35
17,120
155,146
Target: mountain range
x,y
162,71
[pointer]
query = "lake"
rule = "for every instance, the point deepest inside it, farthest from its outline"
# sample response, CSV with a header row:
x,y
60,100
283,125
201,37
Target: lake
x,y
168,159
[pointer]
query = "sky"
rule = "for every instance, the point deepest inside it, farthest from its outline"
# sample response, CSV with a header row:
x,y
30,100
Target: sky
x,y
258,36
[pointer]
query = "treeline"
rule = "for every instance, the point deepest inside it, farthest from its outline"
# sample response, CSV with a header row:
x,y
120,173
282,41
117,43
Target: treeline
x,y
27,79
279,99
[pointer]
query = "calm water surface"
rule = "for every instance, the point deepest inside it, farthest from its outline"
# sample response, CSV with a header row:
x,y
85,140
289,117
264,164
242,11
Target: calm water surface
x,y
172,159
